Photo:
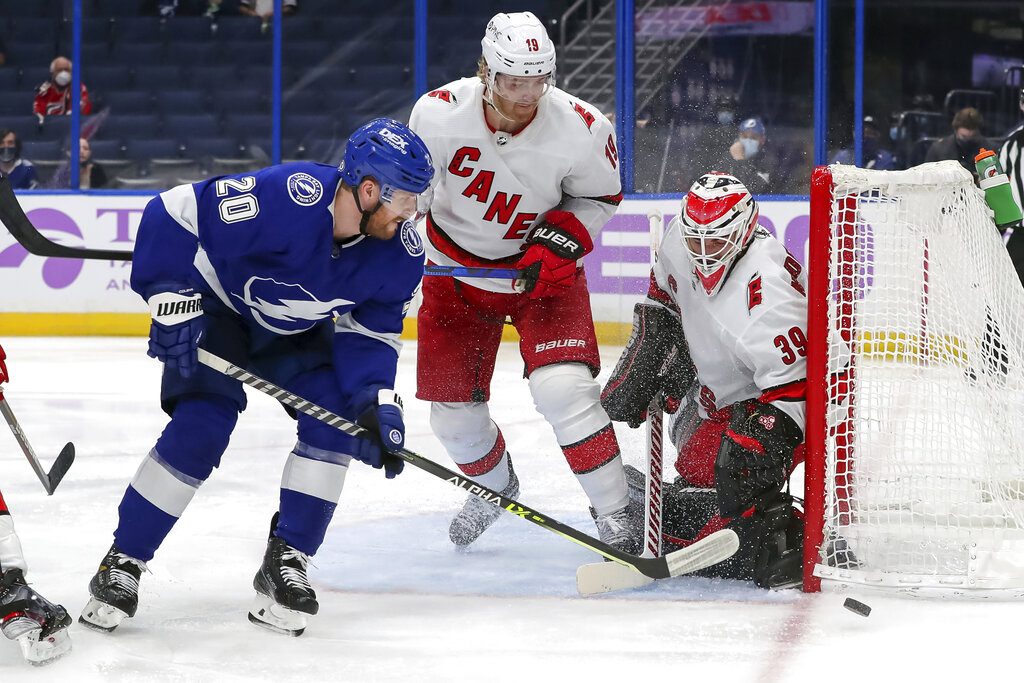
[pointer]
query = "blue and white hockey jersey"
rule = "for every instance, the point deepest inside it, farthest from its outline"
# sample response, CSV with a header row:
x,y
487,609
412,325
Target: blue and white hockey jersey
x,y
262,244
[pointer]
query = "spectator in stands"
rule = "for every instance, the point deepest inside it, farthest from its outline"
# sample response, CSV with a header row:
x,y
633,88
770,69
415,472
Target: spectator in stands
x,y
265,8
714,136
3,52
1011,158
873,154
21,172
53,97
964,143
746,158
91,175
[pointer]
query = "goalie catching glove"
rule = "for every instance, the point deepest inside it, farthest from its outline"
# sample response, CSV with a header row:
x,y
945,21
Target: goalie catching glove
x,y
177,328
383,417
553,247
655,362
755,456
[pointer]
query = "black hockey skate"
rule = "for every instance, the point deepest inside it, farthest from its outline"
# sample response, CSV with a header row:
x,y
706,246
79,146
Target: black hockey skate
x,y
477,514
284,595
114,590
39,626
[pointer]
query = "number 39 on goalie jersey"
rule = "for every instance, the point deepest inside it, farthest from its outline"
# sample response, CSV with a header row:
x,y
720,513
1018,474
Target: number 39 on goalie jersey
x,y
749,339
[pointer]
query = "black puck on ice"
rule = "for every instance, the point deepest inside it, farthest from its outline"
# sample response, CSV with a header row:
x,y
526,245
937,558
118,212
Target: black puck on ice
x,y
857,607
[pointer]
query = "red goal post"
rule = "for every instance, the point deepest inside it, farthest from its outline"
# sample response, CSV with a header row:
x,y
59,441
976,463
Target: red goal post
x,y
915,396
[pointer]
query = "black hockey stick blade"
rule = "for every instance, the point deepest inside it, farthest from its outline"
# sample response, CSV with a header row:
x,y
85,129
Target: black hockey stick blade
x,y
61,466
18,224
50,479
673,564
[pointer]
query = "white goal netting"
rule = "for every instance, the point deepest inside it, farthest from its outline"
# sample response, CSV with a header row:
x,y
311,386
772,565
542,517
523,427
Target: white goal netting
x,y
924,418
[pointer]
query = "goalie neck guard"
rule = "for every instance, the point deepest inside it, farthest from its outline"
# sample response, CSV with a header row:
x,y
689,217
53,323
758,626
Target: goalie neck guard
x,y
717,220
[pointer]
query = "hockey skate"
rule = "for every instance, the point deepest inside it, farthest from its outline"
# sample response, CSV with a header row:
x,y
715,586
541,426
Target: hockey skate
x,y
284,596
39,626
621,529
477,514
114,590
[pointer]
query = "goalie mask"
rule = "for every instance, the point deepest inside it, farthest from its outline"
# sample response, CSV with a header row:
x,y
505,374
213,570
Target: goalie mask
x,y
520,58
717,220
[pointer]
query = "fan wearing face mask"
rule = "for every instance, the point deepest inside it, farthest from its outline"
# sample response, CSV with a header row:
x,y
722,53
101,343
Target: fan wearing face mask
x,y
964,143
20,172
746,158
53,97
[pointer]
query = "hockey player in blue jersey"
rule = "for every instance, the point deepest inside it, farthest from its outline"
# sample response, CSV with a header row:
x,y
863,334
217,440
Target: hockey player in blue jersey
x,y
302,272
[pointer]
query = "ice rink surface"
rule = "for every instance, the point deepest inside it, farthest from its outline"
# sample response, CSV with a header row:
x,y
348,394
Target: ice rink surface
x,y
397,601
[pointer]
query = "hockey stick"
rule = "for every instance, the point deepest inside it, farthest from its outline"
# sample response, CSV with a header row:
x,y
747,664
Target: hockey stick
x,y
463,271
60,465
15,220
597,577
673,564
655,434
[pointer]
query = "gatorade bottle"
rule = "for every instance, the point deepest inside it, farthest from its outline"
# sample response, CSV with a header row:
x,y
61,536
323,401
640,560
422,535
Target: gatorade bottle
x,y
996,185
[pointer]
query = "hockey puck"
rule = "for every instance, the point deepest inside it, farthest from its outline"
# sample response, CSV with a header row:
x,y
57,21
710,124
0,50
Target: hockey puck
x,y
857,607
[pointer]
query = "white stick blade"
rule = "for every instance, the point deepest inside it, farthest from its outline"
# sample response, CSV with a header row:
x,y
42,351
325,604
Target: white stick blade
x,y
717,547
604,577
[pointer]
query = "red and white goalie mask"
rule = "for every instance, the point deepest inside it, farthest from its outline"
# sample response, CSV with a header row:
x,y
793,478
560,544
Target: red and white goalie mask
x,y
717,220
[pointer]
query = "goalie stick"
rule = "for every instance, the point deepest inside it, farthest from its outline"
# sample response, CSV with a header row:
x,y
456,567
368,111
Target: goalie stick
x,y
673,564
60,465
18,224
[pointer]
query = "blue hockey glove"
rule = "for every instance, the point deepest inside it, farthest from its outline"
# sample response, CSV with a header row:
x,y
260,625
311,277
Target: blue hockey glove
x,y
384,419
177,328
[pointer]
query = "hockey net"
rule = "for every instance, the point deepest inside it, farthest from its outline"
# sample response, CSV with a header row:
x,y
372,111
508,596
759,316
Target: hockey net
x,y
915,472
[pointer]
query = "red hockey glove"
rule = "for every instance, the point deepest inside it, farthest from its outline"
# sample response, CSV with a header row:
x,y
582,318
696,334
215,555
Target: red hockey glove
x,y
3,369
554,246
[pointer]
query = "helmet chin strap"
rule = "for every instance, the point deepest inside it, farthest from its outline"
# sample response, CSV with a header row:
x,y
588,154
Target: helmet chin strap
x,y
366,214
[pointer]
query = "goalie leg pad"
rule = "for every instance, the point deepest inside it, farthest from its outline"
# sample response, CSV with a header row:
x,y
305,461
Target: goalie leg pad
x,y
656,359
755,456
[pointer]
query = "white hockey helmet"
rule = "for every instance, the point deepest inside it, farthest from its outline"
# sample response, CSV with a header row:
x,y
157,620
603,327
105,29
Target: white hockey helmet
x,y
517,44
717,220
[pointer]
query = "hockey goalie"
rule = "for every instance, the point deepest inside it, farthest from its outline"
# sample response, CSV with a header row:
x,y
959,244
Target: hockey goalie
x,y
720,343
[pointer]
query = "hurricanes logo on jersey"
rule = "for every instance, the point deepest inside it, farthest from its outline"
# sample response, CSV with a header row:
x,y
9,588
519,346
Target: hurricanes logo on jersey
x,y
754,292
304,189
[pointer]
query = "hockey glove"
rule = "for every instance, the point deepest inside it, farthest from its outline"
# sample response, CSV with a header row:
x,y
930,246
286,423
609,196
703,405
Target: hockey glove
x,y
549,265
656,361
383,417
177,328
3,369
755,455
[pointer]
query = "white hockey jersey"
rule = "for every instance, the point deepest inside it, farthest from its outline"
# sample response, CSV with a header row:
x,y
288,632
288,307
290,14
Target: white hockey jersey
x,y
492,187
749,339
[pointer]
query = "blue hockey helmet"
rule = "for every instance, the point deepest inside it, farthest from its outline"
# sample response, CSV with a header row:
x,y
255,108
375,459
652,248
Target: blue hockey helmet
x,y
390,152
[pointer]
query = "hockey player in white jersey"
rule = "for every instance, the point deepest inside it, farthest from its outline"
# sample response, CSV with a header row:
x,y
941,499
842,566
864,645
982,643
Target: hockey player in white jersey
x,y
728,304
39,626
303,272
527,177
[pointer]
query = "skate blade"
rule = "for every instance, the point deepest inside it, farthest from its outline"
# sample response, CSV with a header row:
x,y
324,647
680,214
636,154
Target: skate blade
x,y
267,614
100,616
42,652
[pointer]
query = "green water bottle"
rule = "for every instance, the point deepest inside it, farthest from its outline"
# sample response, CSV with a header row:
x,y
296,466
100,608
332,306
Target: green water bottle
x,y
996,185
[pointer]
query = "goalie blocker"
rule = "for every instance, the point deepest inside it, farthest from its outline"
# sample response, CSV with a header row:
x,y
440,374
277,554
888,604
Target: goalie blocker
x,y
655,362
